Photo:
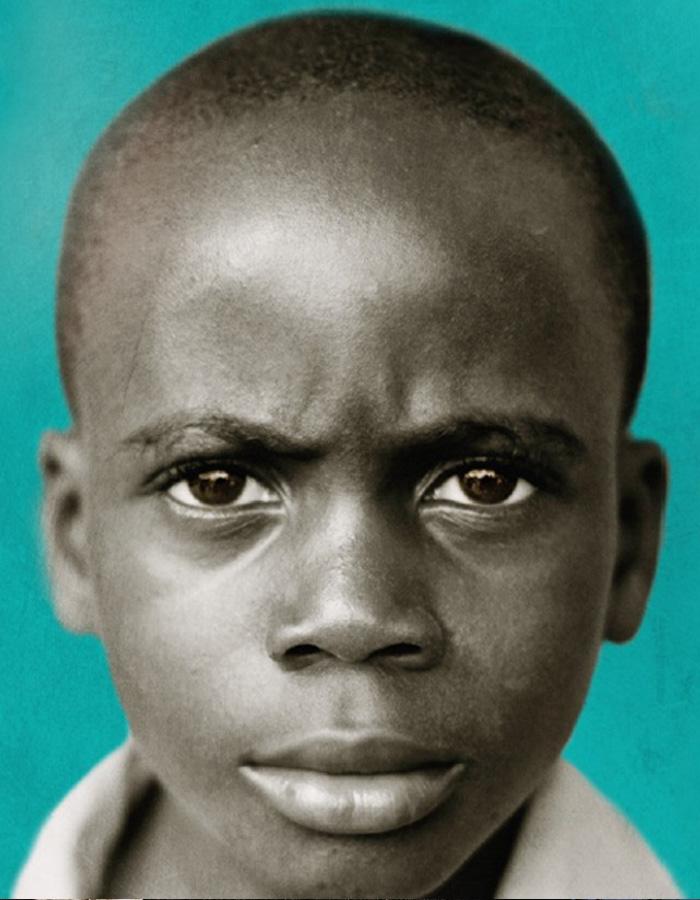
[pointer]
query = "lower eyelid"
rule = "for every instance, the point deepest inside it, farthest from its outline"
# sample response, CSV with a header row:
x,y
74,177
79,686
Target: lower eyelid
x,y
465,523
223,512
246,524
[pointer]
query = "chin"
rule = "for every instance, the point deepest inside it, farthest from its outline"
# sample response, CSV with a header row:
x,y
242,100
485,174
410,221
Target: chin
x,y
363,879
409,862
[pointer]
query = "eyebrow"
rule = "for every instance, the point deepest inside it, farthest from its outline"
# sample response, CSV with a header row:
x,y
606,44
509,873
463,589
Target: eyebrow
x,y
521,432
235,431
446,435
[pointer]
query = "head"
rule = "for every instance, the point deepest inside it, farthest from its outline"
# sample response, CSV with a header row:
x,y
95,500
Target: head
x,y
352,318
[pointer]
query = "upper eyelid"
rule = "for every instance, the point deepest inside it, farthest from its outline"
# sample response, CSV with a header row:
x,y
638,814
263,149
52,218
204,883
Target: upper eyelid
x,y
199,509
166,476
515,465
508,501
518,466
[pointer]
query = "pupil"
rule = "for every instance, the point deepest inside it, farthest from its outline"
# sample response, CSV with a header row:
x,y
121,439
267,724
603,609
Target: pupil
x,y
217,488
487,486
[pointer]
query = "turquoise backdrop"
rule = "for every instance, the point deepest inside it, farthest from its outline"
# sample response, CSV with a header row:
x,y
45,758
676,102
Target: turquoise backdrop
x,y
66,68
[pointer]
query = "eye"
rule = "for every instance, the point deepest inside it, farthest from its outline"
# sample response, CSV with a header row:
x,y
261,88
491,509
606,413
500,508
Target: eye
x,y
482,486
219,488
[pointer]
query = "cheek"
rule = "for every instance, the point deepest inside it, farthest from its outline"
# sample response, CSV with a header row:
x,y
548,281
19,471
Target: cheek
x,y
526,619
185,637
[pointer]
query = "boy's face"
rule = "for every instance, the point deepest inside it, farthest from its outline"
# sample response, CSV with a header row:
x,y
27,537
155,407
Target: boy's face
x,y
349,464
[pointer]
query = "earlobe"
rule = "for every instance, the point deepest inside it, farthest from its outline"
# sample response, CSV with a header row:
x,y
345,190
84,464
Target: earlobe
x,y
65,531
643,478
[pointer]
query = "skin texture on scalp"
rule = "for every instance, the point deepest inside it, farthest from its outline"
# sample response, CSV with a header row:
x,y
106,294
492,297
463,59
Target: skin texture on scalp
x,y
300,60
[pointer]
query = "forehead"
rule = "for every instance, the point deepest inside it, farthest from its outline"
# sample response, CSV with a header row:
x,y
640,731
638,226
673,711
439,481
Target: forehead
x,y
360,253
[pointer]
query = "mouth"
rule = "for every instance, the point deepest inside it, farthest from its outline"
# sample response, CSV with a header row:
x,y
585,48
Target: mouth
x,y
352,785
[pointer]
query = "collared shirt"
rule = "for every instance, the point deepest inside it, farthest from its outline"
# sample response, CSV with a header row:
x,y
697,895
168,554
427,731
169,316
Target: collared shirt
x,y
572,842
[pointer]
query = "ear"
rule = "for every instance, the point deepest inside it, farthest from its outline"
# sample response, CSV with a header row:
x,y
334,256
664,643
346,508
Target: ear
x,y
65,530
642,479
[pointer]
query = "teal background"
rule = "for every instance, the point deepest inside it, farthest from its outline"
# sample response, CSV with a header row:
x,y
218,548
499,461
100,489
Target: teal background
x,y
66,68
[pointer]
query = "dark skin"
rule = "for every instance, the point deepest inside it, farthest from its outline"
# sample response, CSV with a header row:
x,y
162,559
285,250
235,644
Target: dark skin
x,y
350,390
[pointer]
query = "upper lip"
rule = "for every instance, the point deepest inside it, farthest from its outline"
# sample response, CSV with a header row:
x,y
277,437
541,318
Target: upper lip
x,y
343,753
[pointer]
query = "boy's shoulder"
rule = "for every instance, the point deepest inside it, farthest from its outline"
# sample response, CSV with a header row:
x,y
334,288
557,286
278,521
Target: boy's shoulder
x,y
70,854
573,842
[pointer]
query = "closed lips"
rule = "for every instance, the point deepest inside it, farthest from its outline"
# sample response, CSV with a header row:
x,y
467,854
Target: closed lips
x,y
340,784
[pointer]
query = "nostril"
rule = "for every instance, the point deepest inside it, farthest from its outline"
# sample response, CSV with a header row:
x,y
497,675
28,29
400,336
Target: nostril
x,y
398,651
301,650
300,656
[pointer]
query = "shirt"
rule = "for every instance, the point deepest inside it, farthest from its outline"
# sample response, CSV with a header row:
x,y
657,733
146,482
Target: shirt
x,y
572,842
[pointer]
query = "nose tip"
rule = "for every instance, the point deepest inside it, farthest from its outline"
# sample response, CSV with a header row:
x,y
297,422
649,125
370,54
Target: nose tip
x,y
410,640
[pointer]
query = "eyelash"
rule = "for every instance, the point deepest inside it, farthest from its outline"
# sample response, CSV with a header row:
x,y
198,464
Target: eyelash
x,y
515,465
186,469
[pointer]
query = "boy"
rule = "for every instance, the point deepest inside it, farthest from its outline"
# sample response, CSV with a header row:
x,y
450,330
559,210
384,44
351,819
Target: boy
x,y
352,318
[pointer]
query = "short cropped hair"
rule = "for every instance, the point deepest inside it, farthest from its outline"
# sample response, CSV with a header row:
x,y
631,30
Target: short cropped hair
x,y
310,56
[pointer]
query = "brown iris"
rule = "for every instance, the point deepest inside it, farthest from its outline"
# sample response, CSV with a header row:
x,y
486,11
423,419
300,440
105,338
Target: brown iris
x,y
216,487
487,485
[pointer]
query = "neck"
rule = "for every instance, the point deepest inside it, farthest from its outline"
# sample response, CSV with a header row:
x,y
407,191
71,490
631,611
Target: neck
x,y
481,874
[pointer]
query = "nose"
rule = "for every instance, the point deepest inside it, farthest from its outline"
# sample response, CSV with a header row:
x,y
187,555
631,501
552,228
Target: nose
x,y
357,594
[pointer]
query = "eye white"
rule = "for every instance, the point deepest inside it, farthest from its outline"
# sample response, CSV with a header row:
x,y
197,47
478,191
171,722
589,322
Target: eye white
x,y
451,491
253,492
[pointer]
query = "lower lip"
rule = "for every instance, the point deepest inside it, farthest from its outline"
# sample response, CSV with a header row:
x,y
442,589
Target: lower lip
x,y
354,804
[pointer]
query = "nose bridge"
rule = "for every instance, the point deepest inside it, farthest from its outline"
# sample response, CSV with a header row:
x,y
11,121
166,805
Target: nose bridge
x,y
360,561
358,593
357,554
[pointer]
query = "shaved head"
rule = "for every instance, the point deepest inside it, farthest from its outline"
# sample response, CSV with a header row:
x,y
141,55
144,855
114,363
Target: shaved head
x,y
352,316
279,69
